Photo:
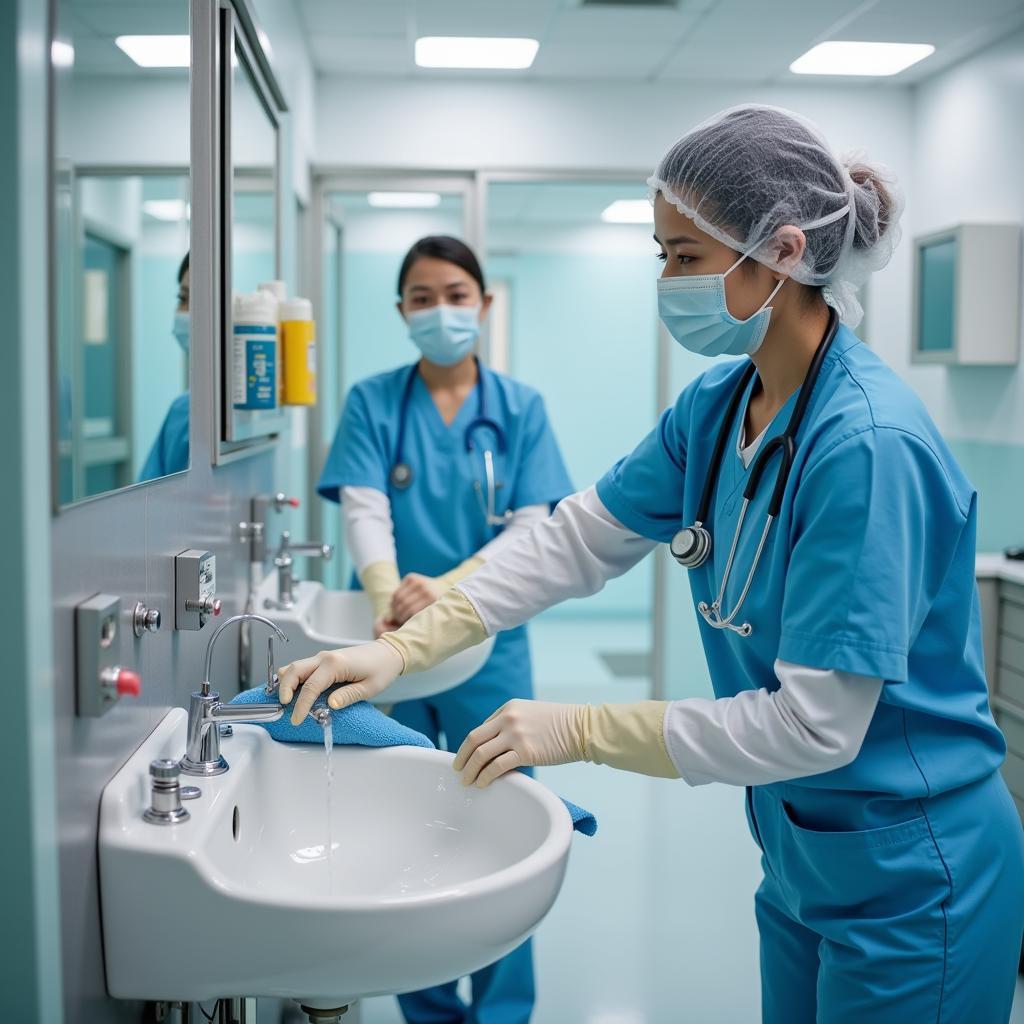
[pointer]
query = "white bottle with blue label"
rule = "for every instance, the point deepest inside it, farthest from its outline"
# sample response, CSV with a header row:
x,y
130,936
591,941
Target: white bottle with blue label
x,y
255,359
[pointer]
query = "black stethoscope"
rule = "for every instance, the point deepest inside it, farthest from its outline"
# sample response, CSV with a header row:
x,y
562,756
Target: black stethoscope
x,y
401,475
691,546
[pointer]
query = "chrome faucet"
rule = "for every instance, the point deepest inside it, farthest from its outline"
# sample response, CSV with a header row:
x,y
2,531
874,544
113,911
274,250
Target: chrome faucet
x,y
284,561
206,712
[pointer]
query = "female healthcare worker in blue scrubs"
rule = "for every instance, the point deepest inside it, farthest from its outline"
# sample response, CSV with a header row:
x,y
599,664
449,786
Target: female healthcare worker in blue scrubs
x,y
169,452
845,642
439,466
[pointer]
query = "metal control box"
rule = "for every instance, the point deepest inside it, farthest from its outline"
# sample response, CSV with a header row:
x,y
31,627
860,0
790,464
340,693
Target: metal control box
x,y
96,653
195,588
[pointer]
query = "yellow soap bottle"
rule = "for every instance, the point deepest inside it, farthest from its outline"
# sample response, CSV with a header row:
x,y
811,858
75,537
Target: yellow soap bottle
x,y
298,343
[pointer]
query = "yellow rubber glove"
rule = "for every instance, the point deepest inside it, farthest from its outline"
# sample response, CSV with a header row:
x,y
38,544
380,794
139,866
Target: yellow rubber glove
x,y
380,580
446,627
417,592
460,572
526,732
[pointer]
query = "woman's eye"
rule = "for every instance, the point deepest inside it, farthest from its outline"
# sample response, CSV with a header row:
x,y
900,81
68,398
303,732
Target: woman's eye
x,y
684,260
660,256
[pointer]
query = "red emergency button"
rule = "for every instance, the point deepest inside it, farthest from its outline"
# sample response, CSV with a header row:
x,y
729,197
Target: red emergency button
x,y
216,607
128,684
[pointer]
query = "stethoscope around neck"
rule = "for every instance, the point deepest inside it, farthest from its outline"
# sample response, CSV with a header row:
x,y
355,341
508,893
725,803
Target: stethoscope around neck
x,y
692,545
401,475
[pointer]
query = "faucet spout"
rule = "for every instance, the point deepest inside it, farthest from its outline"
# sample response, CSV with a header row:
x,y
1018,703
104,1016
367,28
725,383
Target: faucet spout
x,y
230,713
206,712
244,617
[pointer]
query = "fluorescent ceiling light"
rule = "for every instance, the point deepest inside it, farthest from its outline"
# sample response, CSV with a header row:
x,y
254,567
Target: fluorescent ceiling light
x,y
166,209
405,200
156,51
629,211
849,58
475,52
62,55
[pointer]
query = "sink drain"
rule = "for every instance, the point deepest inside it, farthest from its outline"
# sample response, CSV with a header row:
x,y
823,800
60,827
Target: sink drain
x,y
323,1016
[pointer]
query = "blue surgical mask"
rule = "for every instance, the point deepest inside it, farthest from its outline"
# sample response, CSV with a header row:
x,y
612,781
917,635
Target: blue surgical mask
x,y
182,330
694,311
445,334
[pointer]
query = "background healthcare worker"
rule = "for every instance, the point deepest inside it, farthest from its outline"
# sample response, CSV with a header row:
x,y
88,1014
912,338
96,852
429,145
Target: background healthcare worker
x,y
169,453
438,467
854,708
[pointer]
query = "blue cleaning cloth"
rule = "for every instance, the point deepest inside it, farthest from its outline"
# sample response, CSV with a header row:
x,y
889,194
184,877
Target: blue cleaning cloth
x,y
359,724
582,821
362,725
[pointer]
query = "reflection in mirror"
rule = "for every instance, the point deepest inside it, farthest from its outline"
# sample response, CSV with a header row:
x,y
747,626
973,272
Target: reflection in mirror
x,y
121,240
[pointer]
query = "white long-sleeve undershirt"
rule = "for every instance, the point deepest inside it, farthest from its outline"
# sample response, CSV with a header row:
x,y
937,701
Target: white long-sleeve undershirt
x,y
815,722
369,529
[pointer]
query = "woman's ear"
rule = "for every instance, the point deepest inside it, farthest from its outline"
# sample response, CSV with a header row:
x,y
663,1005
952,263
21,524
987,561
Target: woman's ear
x,y
485,305
786,248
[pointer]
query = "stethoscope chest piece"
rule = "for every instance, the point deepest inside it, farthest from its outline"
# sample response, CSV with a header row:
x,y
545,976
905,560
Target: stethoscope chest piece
x,y
401,476
691,546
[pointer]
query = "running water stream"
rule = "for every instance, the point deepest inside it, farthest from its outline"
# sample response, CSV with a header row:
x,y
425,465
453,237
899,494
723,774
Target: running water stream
x,y
323,716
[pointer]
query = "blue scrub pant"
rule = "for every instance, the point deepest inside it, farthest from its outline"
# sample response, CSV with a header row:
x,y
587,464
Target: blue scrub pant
x,y
916,921
503,993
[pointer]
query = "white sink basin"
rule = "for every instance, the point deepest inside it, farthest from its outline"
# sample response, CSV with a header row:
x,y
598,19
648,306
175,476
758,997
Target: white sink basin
x,y
428,880
324,619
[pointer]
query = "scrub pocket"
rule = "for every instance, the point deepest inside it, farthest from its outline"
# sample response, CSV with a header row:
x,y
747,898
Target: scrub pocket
x,y
847,884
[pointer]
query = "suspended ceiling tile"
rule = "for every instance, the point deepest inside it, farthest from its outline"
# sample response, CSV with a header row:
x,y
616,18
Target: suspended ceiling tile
x,y
362,54
598,60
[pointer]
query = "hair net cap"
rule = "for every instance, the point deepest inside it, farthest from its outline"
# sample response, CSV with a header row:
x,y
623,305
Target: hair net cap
x,y
749,170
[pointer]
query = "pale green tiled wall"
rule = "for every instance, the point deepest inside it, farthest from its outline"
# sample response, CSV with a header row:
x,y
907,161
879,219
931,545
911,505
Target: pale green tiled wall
x,y
997,472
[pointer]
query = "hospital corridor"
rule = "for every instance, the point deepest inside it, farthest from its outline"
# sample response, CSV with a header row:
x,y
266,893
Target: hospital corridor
x,y
515,512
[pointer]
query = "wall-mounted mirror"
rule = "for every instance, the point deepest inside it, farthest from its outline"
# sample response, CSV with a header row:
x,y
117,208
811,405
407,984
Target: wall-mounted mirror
x,y
251,255
120,287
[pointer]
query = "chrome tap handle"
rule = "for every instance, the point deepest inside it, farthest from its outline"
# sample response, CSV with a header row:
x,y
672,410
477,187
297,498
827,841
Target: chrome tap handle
x,y
273,680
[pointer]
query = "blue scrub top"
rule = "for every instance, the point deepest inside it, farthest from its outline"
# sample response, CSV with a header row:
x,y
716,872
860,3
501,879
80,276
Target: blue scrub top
x,y
438,520
869,568
169,453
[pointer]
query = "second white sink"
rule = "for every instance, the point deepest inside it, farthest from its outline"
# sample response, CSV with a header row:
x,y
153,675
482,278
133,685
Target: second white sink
x,y
323,619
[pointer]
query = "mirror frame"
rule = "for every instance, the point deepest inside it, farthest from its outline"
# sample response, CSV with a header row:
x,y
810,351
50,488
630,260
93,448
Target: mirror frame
x,y
242,432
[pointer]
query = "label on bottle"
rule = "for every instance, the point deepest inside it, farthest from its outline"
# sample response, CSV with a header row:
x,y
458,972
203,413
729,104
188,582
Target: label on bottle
x,y
254,366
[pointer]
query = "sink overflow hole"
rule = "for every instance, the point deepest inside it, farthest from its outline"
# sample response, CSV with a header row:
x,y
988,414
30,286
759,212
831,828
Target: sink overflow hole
x,y
234,824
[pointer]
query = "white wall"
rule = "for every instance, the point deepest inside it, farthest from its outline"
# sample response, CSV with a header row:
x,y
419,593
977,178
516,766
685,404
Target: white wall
x,y
968,153
453,123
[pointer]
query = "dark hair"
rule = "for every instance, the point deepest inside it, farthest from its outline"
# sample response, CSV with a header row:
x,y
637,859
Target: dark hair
x,y
442,247
183,269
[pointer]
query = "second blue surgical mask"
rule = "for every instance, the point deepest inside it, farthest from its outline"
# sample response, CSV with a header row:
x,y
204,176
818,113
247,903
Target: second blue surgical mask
x,y
445,334
694,311
182,330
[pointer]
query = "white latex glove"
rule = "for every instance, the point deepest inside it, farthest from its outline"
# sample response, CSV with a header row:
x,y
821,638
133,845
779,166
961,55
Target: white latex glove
x,y
414,593
368,670
522,733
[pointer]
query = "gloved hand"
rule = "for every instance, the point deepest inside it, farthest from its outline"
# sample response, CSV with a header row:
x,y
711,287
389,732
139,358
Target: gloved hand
x,y
368,670
523,732
414,593
384,624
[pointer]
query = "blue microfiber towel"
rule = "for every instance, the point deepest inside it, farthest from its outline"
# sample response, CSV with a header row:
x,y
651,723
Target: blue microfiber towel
x,y
582,821
361,724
